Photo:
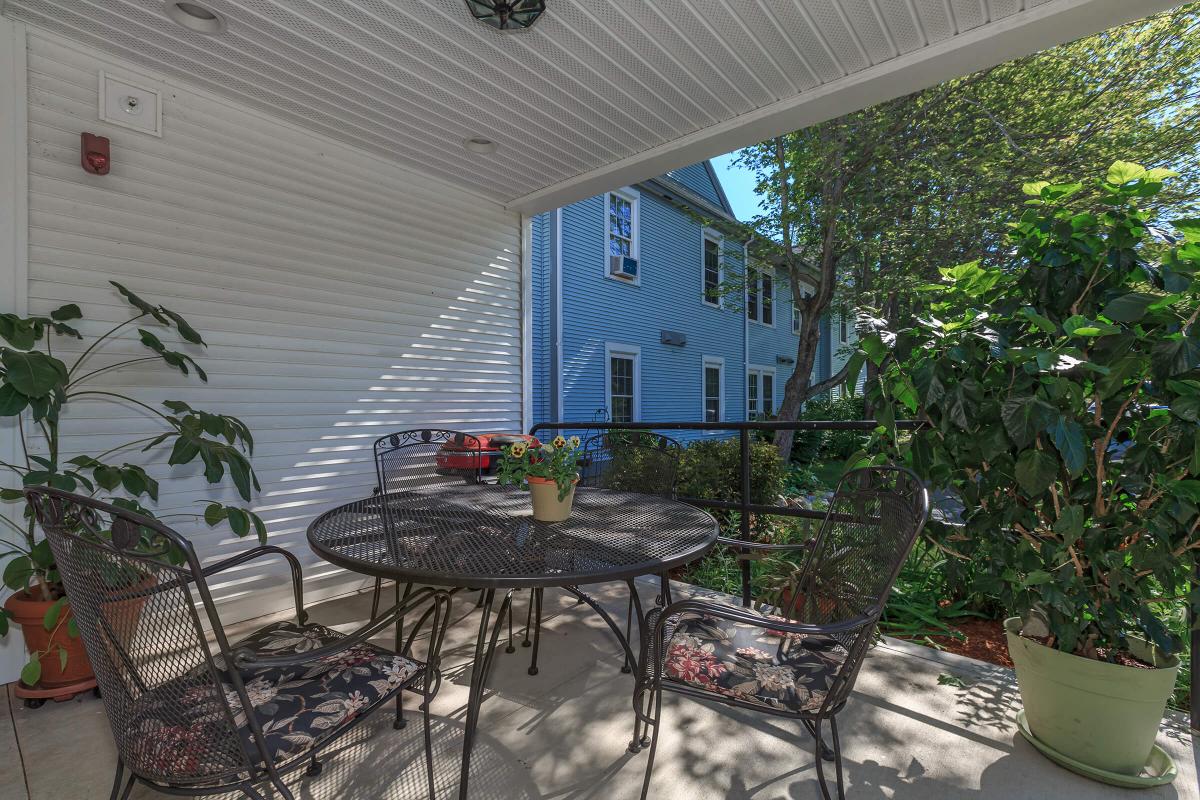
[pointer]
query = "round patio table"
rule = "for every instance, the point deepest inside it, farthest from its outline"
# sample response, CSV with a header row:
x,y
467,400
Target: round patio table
x,y
482,536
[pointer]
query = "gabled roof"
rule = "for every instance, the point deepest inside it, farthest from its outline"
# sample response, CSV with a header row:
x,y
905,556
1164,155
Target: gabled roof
x,y
595,95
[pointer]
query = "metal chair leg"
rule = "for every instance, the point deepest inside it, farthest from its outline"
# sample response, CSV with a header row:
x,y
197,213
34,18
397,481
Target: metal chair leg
x,y
428,740
536,599
837,755
375,597
281,787
510,648
627,667
251,792
657,722
528,621
117,780
820,759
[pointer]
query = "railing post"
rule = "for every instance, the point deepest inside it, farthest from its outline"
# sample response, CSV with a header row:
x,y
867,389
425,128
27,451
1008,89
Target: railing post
x,y
745,526
1194,705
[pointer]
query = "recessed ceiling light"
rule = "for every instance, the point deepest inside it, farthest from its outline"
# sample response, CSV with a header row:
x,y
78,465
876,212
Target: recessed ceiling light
x,y
194,17
478,144
507,15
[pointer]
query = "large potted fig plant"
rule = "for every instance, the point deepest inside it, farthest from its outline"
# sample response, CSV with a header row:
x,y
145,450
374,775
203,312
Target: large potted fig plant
x,y
37,390
1062,393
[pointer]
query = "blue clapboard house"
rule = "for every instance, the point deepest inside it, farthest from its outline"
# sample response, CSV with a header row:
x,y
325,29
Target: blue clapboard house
x,y
633,319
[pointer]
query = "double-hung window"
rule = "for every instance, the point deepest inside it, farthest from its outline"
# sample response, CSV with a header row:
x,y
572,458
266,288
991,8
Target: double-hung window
x,y
621,232
711,266
797,318
622,383
843,330
760,393
760,296
714,389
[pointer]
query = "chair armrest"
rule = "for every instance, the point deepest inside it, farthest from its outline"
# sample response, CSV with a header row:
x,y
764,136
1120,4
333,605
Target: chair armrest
x,y
739,614
245,658
268,550
763,547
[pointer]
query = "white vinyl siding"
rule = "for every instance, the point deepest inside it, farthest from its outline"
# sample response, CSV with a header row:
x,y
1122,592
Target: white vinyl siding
x,y
341,296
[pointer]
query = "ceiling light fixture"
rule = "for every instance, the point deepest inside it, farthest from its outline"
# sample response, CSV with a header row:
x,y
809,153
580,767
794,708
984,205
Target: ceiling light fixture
x,y
478,144
194,17
507,15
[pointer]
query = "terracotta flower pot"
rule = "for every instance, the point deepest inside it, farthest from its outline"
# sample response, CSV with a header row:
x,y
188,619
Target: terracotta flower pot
x,y
546,505
28,612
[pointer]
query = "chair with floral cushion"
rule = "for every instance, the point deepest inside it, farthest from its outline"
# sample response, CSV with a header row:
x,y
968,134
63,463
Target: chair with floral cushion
x,y
802,661
197,716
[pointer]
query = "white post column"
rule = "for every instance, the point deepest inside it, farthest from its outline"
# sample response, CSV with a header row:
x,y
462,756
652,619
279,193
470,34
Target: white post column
x,y
14,255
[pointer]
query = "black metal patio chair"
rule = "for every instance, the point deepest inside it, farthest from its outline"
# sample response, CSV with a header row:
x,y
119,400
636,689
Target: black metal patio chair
x,y
642,462
199,717
801,662
421,458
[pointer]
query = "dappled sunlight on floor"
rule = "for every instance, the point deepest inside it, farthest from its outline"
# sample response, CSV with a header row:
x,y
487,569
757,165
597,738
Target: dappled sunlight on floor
x,y
562,734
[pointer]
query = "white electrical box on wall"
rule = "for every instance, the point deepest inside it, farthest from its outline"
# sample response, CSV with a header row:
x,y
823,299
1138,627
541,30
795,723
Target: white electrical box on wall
x,y
130,105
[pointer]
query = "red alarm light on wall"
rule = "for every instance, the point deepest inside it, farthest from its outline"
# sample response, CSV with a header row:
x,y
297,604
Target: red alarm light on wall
x,y
94,153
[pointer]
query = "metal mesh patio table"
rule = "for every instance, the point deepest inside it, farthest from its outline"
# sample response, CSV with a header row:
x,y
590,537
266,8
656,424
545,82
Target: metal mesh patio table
x,y
483,536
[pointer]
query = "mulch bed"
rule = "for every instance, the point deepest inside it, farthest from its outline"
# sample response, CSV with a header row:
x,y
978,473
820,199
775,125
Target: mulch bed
x,y
983,639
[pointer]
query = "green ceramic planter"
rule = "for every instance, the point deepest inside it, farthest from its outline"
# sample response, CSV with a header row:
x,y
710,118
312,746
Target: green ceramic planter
x,y
1096,714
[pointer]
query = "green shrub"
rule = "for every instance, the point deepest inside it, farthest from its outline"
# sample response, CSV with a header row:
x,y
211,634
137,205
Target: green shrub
x,y
711,469
1062,391
811,446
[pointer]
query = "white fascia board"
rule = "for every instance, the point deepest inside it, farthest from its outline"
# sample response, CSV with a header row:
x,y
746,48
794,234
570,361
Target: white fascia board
x,y
1029,31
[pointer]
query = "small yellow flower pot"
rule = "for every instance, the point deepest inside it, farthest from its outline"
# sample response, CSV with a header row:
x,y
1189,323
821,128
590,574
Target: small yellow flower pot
x,y
546,505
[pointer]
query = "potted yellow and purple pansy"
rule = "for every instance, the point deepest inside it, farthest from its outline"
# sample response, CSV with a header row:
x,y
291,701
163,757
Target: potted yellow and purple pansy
x,y
549,470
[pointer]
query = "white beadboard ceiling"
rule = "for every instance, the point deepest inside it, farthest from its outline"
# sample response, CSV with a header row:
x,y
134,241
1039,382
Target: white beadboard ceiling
x,y
599,93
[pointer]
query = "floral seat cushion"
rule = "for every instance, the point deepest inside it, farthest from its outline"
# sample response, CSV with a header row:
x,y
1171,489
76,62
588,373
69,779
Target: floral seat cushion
x,y
753,664
297,707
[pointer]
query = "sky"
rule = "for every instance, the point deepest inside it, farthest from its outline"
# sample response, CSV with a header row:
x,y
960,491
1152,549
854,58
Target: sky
x,y
739,186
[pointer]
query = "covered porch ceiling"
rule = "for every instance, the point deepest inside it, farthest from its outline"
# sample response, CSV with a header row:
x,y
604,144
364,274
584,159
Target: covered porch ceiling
x,y
595,95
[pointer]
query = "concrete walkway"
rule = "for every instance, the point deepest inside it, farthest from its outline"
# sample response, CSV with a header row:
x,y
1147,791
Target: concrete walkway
x,y
562,734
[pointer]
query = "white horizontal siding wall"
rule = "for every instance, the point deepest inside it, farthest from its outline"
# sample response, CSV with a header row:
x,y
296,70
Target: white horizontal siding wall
x,y
341,296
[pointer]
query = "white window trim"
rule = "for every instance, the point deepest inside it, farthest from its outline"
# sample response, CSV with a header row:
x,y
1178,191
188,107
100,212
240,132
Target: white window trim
x,y
709,235
719,363
843,330
758,371
628,351
635,246
796,317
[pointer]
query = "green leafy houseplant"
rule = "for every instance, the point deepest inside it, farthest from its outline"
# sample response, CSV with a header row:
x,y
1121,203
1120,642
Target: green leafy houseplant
x,y
557,461
36,388
1062,392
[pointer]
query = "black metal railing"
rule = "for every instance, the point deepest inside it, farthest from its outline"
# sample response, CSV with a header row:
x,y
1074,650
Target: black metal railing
x,y
744,430
746,508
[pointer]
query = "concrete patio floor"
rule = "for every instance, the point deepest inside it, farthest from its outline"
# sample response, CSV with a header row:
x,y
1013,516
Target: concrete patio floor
x,y
562,734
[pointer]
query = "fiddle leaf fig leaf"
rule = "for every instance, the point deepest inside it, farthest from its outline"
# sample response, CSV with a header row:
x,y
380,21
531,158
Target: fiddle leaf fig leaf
x,y
1067,436
67,312
1190,228
1023,417
1123,172
186,331
12,402
140,304
33,374
1129,307
1036,470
